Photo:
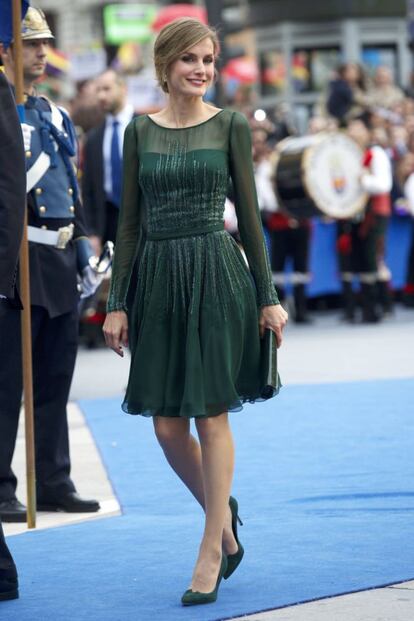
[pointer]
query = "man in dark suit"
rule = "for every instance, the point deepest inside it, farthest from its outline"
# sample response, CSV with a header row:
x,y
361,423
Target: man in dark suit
x,y
12,205
101,179
58,251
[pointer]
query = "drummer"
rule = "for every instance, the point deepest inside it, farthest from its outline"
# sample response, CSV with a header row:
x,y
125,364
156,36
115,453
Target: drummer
x,y
361,241
290,242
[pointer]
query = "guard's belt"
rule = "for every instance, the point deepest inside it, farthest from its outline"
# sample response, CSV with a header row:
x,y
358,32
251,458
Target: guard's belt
x,y
58,239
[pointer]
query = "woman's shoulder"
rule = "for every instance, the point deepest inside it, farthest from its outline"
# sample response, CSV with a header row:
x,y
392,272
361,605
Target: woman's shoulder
x,y
138,120
136,126
236,117
235,120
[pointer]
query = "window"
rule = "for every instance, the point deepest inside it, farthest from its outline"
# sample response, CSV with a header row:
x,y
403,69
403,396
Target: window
x,y
312,69
374,56
272,73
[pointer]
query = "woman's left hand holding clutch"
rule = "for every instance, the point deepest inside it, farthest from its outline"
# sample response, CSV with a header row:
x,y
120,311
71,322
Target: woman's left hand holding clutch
x,y
274,317
115,330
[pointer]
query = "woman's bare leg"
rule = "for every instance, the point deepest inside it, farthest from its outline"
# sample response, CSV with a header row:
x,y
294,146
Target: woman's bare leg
x,y
217,452
183,453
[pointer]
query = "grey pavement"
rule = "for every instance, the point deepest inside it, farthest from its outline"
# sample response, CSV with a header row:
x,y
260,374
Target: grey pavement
x,y
85,459
394,603
325,351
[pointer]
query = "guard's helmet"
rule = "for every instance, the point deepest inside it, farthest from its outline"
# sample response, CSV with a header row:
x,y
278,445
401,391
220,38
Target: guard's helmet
x,y
35,26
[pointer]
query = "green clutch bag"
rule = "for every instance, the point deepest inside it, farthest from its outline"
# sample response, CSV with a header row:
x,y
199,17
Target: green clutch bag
x,y
270,380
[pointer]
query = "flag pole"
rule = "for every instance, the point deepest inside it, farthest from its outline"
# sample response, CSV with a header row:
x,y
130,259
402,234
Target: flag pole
x,y
25,293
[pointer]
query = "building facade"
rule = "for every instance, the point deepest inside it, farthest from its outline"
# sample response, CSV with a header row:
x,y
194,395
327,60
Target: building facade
x,y
300,44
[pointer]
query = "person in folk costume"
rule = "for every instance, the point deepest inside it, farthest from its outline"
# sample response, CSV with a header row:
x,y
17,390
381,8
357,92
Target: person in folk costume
x,y
361,241
290,239
59,250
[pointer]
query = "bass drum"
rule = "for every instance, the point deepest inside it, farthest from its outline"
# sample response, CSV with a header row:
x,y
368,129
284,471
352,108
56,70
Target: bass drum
x,y
318,175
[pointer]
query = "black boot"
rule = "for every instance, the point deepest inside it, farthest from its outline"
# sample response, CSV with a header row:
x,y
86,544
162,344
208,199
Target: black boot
x,y
368,299
301,312
348,299
9,585
385,300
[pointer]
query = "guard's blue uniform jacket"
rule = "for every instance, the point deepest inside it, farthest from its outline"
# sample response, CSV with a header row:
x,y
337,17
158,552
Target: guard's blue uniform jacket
x,y
54,203
55,194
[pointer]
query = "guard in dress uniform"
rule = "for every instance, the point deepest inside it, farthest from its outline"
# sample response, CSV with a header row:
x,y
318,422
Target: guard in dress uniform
x,y
290,240
12,205
59,250
361,241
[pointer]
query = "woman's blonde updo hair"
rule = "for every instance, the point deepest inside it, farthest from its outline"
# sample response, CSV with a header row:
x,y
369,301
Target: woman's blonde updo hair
x,y
174,39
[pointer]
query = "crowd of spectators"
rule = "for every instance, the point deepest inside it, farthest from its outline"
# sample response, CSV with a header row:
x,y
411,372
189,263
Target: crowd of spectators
x,y
389,112
350,95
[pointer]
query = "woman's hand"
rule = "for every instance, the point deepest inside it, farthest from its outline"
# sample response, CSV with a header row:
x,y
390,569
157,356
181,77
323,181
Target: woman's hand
x,y
115,330
274,317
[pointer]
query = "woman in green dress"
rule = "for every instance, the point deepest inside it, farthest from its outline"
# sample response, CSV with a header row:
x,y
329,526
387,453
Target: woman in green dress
x,y
181,294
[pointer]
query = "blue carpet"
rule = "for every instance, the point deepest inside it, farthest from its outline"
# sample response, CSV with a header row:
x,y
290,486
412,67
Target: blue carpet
x,y
325,484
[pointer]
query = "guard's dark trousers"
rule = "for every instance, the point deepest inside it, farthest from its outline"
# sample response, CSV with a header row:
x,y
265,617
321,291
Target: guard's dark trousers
x,y
7,566
54,345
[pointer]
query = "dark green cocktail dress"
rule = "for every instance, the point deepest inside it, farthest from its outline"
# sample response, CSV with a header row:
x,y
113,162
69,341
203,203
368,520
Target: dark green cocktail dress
x,y
192,302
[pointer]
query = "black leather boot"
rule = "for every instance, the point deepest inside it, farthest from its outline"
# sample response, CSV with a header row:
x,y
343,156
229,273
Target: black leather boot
x,y
301,311
368,299
348,300
385,298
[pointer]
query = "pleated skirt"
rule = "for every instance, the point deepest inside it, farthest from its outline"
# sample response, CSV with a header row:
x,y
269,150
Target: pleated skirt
x,y
193,329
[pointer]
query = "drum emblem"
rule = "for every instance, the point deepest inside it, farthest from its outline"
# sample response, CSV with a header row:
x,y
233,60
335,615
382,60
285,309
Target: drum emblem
x,y
338,177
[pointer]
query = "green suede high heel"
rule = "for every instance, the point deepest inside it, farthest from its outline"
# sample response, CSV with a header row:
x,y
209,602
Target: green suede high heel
x,y
234,560
194,598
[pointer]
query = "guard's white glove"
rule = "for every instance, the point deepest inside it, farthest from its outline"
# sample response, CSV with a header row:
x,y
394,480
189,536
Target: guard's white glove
x,y
90,282
27,135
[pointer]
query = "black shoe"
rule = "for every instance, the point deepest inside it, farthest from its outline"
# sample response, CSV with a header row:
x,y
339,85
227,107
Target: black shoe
x,y
12,511
347,317
70,502
370,316
9,586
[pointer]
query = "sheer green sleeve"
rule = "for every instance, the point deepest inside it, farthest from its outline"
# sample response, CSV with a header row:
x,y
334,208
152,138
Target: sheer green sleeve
x,y
129,224
247,209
